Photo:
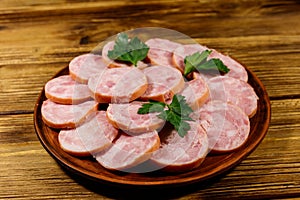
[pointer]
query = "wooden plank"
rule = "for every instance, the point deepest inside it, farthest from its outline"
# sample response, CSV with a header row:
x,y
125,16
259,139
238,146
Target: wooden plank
x,y
20,88
16,129
245,19
71,25
27,171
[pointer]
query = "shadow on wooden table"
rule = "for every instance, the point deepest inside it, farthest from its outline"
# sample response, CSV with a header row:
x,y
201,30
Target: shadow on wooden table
x,y
126,192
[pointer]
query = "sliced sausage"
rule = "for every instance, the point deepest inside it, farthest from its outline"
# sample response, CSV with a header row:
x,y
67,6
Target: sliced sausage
x,y
177,154
185,50
66,116
118,85
82,67
161,51
163,83
93,136
196,93
234,91
65,90
113,63
126,117
128,151
227,126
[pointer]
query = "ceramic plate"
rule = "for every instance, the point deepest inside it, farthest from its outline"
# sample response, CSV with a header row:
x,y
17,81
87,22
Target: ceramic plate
x,y
211,167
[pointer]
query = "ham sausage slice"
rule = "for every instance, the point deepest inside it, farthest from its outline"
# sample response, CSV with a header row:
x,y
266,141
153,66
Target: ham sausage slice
x,y
93,136
128,151
161,51
118,85
196,93
163,83
177,153
227,126
84,66
125,117
65,90
112,63
185,50
234,91
66,116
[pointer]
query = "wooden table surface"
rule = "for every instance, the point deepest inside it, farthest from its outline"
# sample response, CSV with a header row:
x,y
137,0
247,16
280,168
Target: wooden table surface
x,y
38,38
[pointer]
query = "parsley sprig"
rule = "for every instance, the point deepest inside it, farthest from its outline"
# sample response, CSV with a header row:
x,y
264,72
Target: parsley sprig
x,y
128,50
198,61
177,113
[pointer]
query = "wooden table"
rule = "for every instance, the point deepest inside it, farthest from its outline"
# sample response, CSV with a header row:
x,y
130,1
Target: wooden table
x,y
38,38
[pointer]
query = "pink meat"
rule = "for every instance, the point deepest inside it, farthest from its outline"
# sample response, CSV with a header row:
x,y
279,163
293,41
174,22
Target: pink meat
x,y
129,151
161,51
234,91
66,116
84,66
112,63
125,117
163,83
196,93
227,126
181,153
93,136
65,90
118,85
185,50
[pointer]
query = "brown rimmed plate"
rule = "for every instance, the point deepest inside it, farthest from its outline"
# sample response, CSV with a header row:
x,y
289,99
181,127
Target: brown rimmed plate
x,y
212,166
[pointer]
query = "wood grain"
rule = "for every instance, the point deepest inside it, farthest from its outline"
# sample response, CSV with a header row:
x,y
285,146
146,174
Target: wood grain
x,y
38,38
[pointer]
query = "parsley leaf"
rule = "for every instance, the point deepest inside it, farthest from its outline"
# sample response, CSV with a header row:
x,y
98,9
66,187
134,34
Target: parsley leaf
x,y
179,122
179,106
183,128
128,50
177,113
151,107
212,64
198,61
195,60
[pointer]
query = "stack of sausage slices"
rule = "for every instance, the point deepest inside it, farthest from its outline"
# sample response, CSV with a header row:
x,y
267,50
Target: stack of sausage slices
x,y
95,108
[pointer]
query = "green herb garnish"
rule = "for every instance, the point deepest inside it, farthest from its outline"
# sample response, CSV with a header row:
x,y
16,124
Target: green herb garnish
x,y
198,61
128,50
177,113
